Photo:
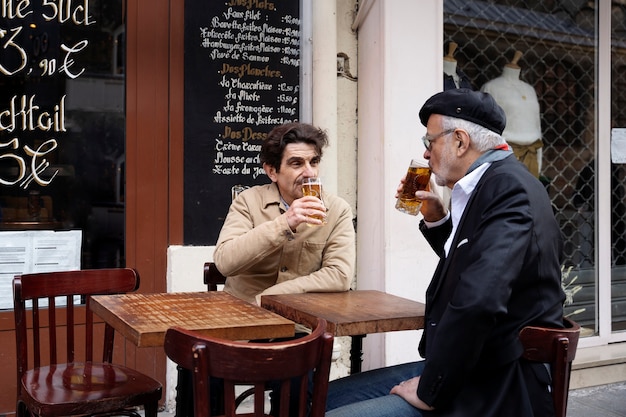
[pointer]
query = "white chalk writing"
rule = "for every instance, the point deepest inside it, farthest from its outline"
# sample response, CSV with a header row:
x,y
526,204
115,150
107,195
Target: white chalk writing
x,y
252,55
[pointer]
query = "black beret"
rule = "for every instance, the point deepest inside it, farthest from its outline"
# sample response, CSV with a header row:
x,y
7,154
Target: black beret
x,y
475,106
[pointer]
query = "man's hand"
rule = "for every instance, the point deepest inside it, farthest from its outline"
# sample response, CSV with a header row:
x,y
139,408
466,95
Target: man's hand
x,y
301,210
408,391
432,208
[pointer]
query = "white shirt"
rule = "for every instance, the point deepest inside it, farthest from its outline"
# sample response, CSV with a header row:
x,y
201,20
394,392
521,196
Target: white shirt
x,y
461,193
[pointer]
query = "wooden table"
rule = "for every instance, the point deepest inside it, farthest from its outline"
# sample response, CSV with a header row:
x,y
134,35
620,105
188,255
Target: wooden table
x,y
144,318
350,313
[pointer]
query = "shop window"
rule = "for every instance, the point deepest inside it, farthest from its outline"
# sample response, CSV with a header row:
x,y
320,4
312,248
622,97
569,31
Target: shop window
x,y
62,106
553,46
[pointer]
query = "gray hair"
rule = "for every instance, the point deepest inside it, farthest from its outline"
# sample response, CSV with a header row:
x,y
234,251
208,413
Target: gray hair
x,y
483,139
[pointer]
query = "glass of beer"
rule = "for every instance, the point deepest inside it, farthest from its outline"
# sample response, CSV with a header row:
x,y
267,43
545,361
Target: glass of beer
x,y
417,179
313,187
236,189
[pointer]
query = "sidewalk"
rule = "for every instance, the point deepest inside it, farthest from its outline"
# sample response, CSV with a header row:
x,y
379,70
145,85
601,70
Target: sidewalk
x,y
601,401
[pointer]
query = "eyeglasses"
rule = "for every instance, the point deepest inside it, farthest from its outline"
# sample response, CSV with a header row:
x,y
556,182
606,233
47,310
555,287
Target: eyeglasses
x,y
428,140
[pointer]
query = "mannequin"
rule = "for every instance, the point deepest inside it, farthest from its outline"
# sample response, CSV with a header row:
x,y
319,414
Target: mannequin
x,y
452,76
523,118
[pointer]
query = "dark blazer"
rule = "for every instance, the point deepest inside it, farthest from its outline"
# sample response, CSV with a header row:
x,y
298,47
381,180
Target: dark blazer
x,y
503,272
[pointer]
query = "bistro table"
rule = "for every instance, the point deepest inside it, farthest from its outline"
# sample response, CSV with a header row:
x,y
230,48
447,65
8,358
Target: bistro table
x,y
144,318
350,313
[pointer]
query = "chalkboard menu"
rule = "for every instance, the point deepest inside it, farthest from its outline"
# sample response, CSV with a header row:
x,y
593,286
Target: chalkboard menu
x,y
242,76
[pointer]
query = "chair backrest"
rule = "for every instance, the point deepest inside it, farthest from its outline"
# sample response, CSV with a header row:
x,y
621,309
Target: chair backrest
x,y
75,287
558,348
212,276
249,363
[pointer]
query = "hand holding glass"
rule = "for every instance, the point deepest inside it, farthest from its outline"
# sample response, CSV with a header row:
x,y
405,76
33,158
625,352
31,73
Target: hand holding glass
x,y
417,179
313,187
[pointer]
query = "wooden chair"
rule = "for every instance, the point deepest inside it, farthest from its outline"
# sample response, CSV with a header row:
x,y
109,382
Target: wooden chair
x,y
248,363
558,348
72,383
212,276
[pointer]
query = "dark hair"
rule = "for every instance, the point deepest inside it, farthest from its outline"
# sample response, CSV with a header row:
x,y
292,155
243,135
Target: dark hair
x,y
276,141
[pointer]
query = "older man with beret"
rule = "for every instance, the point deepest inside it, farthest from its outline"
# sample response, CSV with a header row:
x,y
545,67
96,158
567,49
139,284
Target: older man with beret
x,y
500,251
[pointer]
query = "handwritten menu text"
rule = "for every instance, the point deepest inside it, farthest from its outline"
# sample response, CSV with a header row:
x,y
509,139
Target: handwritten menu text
x,y
251,52
242,78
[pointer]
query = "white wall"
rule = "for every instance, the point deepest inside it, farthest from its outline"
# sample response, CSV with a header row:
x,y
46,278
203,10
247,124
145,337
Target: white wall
x,y
347,104
185,267
400,66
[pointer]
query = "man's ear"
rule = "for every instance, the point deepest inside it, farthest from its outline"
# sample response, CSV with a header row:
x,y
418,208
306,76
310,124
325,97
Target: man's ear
x,y
270,171
462,140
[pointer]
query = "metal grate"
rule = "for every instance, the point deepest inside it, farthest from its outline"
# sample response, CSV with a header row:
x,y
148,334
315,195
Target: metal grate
x,y
557,41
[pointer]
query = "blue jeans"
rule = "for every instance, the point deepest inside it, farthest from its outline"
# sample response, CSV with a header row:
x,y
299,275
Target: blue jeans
x,y
366,394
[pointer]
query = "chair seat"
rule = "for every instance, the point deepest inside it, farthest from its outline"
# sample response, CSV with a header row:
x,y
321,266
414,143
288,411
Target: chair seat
x,y
47,331
77,388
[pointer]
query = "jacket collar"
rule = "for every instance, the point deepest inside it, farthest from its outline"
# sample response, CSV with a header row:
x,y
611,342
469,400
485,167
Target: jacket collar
x,y
273,197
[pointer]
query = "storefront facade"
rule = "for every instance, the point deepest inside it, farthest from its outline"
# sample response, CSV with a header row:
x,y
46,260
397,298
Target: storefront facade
x,y
129,109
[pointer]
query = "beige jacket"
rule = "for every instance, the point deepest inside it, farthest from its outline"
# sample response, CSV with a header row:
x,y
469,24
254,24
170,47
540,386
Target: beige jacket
x,y
260,255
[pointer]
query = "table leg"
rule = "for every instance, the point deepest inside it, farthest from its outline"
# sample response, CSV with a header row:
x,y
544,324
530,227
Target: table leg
x,y
356,354
185,406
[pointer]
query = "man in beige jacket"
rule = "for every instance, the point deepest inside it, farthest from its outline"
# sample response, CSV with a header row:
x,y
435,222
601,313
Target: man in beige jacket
x,y
269,243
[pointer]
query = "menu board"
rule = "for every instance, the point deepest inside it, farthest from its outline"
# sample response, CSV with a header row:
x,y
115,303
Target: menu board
x,y
242,76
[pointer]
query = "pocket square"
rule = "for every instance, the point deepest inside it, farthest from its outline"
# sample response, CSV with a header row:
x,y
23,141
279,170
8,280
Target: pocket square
x,y
461,243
